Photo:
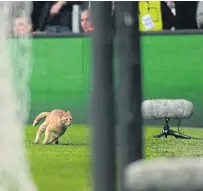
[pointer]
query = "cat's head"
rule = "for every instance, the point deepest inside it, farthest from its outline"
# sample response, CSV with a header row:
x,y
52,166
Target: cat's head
x,y
66,119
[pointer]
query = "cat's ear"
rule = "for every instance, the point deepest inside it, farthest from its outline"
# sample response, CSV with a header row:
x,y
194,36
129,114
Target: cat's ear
x,y
68,112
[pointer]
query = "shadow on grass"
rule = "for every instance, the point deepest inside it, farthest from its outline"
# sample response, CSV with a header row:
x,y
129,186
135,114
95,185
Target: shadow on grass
x,y
63,144
75,144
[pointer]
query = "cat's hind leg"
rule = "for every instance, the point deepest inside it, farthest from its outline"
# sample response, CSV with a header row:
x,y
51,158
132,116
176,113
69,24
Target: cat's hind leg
x,y
47,136
41,130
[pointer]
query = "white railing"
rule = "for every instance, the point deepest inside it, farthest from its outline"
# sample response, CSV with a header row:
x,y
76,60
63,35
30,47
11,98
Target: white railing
x,y
76,19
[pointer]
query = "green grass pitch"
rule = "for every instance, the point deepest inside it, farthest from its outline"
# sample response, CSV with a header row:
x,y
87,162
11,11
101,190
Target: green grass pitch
x,y
66,166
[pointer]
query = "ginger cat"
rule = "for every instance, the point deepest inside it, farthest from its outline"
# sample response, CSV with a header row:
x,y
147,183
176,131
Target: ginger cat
x,y
56,122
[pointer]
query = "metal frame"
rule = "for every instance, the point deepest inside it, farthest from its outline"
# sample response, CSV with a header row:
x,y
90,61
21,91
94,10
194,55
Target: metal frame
x,y
150,33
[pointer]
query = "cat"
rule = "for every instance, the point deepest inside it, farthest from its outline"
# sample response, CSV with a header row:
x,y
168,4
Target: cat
x,y
56,122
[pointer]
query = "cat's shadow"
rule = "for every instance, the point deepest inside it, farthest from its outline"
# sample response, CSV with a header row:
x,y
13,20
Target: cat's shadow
x,y
68,144
75,144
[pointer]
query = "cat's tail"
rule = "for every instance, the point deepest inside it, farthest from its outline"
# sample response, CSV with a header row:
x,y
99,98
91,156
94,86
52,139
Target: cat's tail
x,y
39,117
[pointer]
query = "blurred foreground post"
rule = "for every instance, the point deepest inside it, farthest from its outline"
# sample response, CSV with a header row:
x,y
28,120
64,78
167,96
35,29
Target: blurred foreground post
x,y
104,167
129,92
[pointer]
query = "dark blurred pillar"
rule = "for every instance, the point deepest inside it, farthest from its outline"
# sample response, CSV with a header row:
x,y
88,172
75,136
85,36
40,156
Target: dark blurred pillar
x,y
130,91
104,167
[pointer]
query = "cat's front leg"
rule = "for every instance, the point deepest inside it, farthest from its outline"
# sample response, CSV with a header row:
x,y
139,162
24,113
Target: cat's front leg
x,y
54,139
57,142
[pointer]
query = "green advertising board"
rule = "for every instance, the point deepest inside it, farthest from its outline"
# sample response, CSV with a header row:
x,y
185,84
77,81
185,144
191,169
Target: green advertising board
x,y
172,68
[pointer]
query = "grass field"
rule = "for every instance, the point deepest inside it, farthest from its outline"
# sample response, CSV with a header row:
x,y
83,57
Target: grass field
x,y
66,166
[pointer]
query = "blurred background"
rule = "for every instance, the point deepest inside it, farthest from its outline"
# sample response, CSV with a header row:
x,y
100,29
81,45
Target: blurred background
x,y
171,54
